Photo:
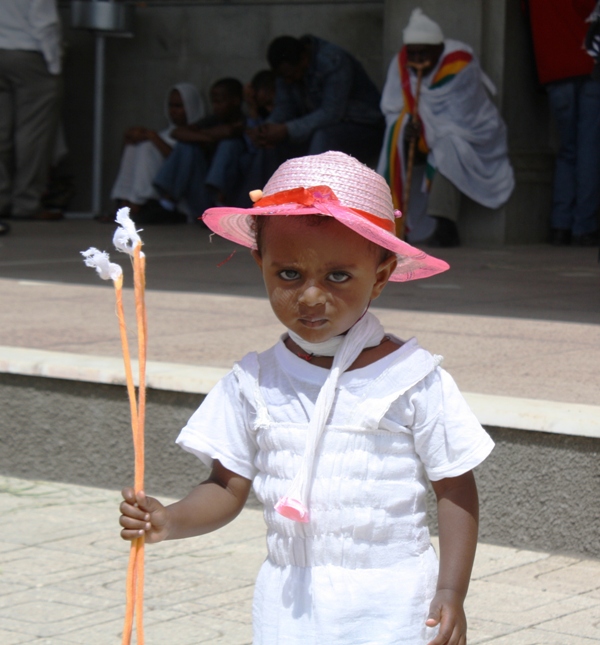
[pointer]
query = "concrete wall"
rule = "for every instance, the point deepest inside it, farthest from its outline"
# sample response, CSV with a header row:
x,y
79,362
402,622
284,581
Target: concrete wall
x,y
537,490
196,41
76,432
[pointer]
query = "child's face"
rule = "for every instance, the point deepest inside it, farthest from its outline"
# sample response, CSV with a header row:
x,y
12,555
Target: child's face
x,y
223,104
319,279
265,98
176,109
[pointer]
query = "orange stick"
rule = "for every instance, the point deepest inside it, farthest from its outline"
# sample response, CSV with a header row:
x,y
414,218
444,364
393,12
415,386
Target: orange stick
x,y
139,280
139,592
129,595
133,407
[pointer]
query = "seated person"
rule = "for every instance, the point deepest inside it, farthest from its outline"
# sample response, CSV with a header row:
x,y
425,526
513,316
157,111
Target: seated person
x,y
190,170
259,97
145,150
324,101
461,136
232,172
244,161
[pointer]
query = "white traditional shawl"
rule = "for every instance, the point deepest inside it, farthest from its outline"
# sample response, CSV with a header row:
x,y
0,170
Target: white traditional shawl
x,y
464,131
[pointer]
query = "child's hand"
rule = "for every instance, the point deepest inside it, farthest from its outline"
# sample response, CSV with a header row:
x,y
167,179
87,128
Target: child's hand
x,y
446,610
413,129
142,515
136,135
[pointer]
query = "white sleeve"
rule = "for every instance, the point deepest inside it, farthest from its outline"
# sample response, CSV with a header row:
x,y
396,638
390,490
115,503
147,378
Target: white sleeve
x,y
220,429
448,438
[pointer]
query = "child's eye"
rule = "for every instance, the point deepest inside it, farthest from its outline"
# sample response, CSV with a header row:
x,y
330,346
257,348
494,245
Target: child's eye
x,y
338,276
289,274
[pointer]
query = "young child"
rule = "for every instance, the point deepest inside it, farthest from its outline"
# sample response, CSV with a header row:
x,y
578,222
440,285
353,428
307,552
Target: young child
x,y
145,150
338,426
195,171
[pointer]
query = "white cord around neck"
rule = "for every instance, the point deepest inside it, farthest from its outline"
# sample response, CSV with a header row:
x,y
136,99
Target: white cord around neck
x,y
329,347
366,332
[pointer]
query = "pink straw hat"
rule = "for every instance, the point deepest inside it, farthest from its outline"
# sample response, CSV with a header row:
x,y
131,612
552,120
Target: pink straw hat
x,y
336,185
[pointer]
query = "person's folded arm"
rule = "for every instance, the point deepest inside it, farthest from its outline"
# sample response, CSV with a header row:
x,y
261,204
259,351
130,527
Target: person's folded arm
x,y
336,92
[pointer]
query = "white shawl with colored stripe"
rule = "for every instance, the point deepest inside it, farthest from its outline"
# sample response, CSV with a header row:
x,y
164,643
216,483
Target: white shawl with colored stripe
x,y
463,129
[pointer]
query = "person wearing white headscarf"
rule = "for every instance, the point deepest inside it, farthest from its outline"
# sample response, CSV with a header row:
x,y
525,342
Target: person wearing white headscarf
x,y
145,149
461,137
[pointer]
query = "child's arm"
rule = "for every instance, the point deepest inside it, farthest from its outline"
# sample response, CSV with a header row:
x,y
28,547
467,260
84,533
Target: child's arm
x,y
208,136
139,134
206,508
458,519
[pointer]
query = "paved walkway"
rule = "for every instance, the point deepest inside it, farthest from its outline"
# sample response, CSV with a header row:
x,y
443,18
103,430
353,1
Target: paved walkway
x,y
62,573
515,321
518,322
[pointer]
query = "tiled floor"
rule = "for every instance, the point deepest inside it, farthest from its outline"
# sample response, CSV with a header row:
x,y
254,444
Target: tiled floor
x,y
62,574
515,321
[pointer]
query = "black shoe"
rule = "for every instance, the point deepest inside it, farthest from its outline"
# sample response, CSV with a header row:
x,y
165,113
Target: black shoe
x,y
587,239
445,235
4,228
560,237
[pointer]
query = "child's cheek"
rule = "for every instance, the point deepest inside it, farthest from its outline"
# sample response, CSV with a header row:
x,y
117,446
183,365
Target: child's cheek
x,y
283,301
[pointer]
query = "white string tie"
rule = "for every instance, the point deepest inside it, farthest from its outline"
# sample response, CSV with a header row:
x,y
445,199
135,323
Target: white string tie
x,y
294,505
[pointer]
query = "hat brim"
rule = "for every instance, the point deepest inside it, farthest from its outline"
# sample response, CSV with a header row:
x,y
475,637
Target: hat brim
x,y
235,224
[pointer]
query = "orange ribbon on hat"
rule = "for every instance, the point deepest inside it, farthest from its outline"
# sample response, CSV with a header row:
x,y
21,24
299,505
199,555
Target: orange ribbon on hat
x,y
323,196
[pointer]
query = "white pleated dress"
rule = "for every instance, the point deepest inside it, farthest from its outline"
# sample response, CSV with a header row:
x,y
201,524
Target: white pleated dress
x,y
363,570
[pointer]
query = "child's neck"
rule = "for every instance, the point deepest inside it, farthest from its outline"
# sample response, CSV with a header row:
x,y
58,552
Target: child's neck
x,y
368,356
326,348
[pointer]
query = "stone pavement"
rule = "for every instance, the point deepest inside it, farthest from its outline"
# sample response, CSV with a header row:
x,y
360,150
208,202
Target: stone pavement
x,y
516,321
512,321
62,575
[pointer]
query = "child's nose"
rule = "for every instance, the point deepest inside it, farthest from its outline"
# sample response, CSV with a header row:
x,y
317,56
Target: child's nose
x,y
313,295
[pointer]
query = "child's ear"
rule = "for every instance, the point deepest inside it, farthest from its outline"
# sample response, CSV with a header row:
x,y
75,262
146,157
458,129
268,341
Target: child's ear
x,y
257,258
382,275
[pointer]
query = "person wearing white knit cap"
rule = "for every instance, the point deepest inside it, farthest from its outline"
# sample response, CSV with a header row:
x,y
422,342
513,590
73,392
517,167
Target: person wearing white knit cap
x,y
422,30
461,143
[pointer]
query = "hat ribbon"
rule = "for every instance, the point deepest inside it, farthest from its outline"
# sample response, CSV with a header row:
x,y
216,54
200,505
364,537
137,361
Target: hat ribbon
x,y
322,198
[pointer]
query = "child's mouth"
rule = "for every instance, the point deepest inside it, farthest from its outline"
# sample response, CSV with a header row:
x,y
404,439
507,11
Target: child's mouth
x,y
313,323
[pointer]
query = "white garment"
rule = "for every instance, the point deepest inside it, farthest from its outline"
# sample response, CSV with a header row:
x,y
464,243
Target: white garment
x,y
463,129
141,162
32,25
139,165
363,569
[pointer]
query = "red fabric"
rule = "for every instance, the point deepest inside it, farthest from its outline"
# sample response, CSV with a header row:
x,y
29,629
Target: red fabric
x,y
584,7
559,29
314,196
